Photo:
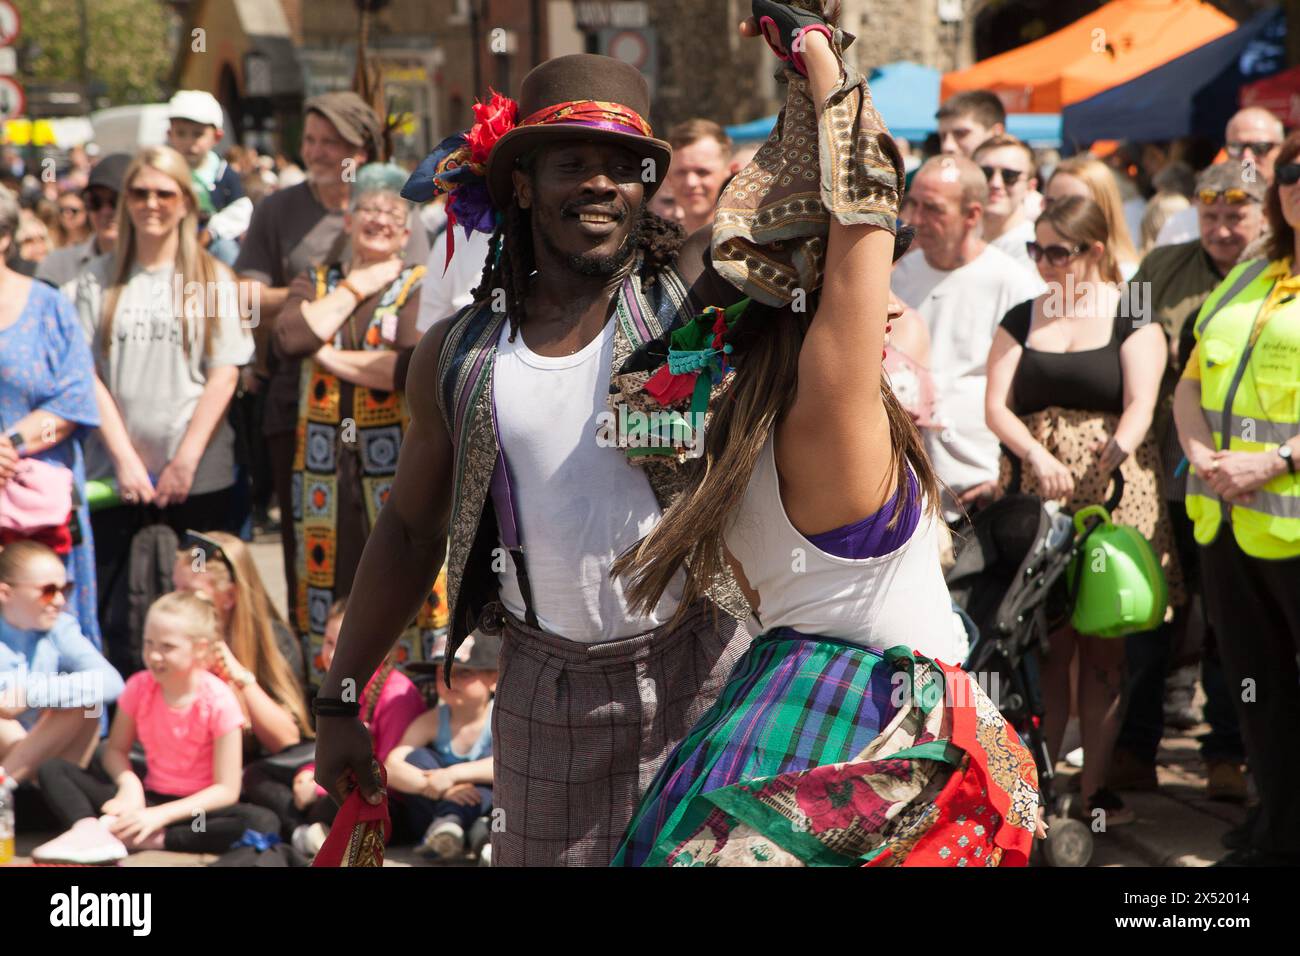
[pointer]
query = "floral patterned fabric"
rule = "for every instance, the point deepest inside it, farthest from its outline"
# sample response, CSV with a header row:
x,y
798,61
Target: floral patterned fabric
x,y
45,363
826,754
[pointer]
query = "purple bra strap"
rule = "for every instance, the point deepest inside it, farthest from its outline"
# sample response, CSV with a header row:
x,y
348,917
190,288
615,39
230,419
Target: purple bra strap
x,y
872,537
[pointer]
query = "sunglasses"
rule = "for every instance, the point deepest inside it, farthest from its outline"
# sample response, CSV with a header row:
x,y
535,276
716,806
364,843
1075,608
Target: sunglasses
x,y
211,548
1009,176
1233,196
1288,174
1057,255
97,201
1262,148
48,592
165,197
393,216
71,210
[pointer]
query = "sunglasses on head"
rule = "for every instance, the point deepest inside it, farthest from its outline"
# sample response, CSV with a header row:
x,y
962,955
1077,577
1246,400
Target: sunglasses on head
x,y
1057,255
1233,196
1288,174
1009,176
210,547
1260,148
165,197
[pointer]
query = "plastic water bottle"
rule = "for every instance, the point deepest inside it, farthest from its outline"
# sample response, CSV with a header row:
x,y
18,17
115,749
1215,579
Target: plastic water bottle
x,y
7,787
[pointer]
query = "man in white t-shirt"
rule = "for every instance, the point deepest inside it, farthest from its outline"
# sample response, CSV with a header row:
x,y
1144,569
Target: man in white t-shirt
x,y
1008,167
962,286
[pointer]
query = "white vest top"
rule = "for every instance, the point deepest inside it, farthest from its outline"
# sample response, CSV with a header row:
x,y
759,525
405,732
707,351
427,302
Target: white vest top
x,y
897,598
579,505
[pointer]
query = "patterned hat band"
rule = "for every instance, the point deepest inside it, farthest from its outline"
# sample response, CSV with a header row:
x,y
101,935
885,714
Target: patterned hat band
x,y
594,114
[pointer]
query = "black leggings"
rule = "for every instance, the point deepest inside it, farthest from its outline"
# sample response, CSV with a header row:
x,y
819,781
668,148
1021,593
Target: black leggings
x,y
74,794
264,787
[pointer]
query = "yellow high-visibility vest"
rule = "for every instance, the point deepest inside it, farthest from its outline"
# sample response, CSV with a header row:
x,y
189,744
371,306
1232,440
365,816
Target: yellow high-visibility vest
x,y
1250,394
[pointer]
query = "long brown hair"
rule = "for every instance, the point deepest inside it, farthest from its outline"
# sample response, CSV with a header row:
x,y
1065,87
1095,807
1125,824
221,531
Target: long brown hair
x,y
251,632
193,263
1081,221
1281,239
766,345
1105,193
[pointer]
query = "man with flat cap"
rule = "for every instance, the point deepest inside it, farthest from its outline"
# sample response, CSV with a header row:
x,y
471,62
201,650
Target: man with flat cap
x,y
293,230
502,470
62,267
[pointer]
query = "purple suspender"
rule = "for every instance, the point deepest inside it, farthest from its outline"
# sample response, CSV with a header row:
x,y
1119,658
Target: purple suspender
x,y
503,502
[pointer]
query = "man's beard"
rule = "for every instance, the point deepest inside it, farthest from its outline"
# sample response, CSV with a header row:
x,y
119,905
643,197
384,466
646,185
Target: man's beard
x,y
596,265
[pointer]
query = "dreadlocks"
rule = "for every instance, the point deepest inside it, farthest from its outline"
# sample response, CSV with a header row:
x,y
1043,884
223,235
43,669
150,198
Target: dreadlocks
x,y
655,242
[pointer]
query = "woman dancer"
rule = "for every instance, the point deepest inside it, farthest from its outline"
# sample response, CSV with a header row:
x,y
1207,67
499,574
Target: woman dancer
x,y
839,739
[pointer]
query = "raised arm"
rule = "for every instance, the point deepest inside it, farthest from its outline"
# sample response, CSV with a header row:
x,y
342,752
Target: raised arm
x,y
833,449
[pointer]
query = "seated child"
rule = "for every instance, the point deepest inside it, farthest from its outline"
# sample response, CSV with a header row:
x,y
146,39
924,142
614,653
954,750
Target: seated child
x,y
190,725
54,683
443,764
389,702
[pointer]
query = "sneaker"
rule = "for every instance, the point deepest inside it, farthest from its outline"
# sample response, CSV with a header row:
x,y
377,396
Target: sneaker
x,y
1180,712
88,842
1108,801
1075,757
1225,780
479,836
1130,772
445,839
485,856
308,839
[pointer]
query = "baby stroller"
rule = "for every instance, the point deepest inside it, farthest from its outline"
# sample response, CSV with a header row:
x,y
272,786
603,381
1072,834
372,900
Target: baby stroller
x,y
1010,579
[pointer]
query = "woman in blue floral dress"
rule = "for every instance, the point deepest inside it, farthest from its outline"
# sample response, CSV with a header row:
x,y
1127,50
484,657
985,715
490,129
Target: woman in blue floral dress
x,y
47,394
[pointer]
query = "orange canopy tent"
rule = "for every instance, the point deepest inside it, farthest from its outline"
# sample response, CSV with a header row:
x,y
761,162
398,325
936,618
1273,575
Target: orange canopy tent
x,y
1110,46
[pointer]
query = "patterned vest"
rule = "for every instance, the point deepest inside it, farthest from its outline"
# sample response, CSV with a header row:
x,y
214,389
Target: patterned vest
x,y
465,374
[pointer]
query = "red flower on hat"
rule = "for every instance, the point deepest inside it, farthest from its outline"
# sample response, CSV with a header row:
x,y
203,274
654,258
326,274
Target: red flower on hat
x,y
493,120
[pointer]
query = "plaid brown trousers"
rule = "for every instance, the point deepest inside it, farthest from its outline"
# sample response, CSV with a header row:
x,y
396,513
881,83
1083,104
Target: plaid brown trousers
x,y
579,730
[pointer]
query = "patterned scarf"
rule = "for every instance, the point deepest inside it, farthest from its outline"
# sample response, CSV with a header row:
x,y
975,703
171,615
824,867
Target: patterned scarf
x,y
769,236
371,425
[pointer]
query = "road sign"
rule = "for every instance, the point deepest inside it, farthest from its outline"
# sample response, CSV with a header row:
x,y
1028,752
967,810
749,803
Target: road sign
x,y
10,23
8,61
13,101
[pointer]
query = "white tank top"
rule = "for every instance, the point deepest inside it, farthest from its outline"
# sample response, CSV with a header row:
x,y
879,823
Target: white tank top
x,y
578,505
897,598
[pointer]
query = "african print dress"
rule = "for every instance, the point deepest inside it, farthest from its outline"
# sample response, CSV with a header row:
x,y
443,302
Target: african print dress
x,y
345,459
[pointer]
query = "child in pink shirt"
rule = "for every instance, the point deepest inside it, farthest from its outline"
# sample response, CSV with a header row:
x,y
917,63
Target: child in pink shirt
x,y
390,702
189,723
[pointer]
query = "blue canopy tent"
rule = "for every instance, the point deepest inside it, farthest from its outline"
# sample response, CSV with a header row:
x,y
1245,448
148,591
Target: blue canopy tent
x,y
907,97
1192,95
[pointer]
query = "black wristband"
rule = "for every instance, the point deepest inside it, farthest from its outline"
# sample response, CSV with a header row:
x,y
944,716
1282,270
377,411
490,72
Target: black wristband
x,y
334,707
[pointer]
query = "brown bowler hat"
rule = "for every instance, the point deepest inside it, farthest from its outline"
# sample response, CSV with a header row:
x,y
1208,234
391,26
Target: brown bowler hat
x,y
576,78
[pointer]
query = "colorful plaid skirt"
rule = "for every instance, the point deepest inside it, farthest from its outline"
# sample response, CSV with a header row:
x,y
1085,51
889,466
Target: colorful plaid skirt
x,y
821,753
